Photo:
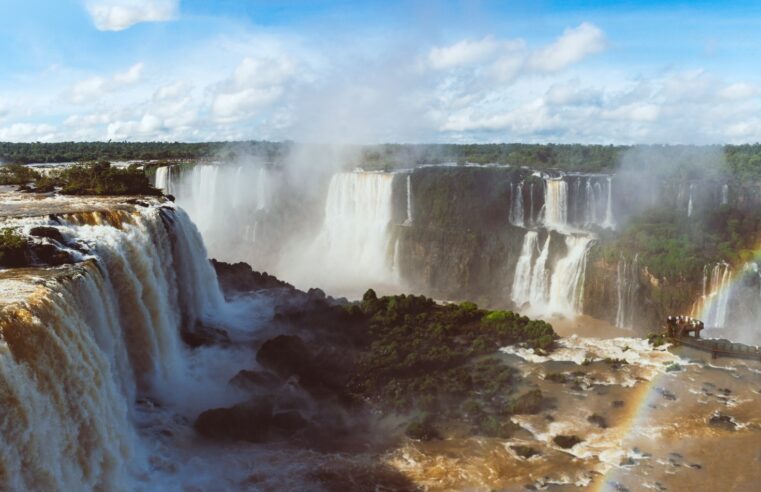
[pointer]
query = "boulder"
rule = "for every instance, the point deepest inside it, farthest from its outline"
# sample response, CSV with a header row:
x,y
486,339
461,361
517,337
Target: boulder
x,y
50,254
240,278
203,335
286,355
245,422
251,380
48,232
566,442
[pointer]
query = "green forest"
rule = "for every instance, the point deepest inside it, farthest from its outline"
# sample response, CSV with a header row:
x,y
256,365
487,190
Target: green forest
x,y
742,161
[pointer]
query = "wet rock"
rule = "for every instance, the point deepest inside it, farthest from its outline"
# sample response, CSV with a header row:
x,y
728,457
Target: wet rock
x,y
240,278
422,429
286,355
289,421
557,377
250,380
696,466
524,452
48,232
666,394
722,421
50,255
139,203
530,403
204,335
566,442
246,422
598,420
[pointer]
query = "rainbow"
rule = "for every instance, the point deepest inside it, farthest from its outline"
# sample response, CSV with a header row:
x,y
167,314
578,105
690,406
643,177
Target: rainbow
x,y
644,400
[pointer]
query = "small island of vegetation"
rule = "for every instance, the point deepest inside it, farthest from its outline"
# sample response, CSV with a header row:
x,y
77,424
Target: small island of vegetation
x,y
87,178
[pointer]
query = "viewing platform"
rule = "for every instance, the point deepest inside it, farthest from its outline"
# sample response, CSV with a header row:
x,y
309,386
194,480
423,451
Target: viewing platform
x,y
678,328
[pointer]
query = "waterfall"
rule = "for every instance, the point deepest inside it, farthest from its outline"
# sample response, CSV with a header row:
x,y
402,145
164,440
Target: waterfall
x,y
591,203
567,283
352,249
724,194
531,205
75,353
608,223
712,305
689,203
546,291
227,204
556,203
408,220
626,289
521,291
164,179
540,277
516,209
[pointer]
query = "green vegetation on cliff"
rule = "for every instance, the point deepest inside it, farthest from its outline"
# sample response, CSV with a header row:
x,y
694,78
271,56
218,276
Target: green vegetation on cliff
x,y
100,178
442,360
742,161
12,248
16,174
88,178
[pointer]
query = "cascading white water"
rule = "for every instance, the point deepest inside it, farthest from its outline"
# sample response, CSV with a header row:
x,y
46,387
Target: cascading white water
x,y
556,203
516,208
408,220
567,283
712,305
164,179
724,194
626,287
689,203
544,291
609,223
591,203
521,291
226,203
75,354
531,204
353,246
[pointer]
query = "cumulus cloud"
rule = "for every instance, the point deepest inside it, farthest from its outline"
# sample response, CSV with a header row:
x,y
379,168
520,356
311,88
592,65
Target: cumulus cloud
x,y
573,46
95,87
117,15
27,131
255,84
464,52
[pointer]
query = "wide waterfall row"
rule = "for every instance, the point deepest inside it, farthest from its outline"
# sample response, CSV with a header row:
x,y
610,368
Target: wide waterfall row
x,y
75,354
540,288
578,202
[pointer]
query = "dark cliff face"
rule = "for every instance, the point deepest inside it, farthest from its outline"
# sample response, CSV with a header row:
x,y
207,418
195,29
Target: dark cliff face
x,y
460,243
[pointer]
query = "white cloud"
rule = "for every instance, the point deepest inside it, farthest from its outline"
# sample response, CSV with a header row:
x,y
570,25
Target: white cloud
x,y
117,15
740,91
574,45
27,132
464,52
507,60
255,84
95,87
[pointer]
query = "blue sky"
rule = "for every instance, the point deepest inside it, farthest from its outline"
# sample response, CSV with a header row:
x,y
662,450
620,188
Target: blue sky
x,y
349,71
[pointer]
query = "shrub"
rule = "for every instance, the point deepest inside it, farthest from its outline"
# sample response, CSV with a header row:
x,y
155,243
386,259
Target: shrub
x,y
16,174
13,248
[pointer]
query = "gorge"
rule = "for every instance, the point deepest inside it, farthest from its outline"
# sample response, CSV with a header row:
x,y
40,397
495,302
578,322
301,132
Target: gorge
x,y
506,237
